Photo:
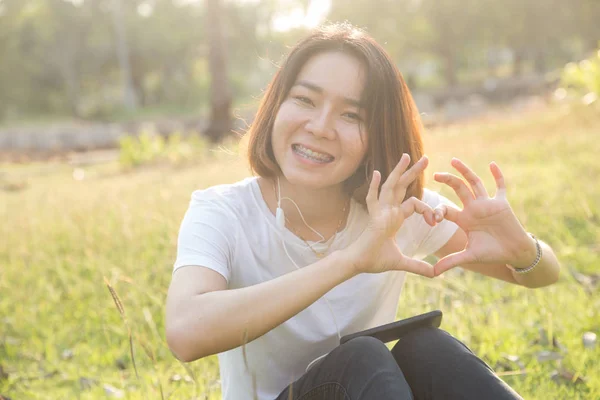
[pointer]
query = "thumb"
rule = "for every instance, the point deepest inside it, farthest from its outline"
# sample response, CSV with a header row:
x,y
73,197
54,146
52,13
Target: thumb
x,y
451,261
416,267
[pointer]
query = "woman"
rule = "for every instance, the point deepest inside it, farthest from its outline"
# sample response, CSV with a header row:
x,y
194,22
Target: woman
x,y
279,266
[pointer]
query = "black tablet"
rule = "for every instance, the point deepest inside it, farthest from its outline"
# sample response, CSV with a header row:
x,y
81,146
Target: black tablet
x,y
395,330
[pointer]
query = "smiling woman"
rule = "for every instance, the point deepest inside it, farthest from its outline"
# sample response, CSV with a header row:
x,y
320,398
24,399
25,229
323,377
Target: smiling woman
x,y
319,107
271,271
354,91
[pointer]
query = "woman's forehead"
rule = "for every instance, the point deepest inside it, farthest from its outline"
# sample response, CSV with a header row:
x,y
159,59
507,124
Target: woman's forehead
x,y
333,73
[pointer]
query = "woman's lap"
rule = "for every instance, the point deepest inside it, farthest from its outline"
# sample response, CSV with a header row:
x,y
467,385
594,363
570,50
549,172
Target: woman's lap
x,y
426,364
362,368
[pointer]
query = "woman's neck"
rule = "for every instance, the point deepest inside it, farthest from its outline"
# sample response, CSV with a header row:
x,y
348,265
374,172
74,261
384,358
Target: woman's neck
x,y
323,209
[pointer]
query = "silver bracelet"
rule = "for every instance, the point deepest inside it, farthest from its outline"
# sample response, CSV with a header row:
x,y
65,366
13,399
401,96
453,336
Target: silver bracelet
x,y
537,258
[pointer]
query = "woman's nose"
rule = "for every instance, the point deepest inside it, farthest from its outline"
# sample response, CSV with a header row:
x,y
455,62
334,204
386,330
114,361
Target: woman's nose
x,y
321,124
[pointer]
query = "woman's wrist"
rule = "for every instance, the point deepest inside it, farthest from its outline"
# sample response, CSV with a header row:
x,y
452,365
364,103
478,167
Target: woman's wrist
x,y
347,260
527,254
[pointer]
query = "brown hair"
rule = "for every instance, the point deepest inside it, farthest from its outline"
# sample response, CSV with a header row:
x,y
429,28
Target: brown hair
x,y
392,120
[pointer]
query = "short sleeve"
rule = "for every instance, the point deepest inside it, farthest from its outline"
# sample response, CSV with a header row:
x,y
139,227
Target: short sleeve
x,y
431,239
206,237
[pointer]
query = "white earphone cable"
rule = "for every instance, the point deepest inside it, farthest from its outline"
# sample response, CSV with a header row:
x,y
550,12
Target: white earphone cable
x,y
323,297
279,198
280,210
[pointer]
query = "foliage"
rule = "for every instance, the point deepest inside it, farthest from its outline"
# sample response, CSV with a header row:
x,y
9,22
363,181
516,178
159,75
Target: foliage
x,y
583,78
61,335
148,147
466,35
59,56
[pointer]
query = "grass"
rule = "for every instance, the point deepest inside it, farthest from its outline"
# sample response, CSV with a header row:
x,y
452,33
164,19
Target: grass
x,y
61,335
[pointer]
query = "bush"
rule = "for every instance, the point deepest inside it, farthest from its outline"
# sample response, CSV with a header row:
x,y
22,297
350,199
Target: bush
x,y
148,147
583,79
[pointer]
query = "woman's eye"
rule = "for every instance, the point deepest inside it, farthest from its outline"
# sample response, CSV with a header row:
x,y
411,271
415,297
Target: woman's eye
x,y
303,99
353,116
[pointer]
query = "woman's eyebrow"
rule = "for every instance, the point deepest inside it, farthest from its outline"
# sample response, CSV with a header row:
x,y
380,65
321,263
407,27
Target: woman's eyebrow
x,y
318,89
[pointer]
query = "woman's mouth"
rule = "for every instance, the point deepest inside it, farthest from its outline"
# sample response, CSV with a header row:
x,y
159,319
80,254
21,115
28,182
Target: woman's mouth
x,y
312,155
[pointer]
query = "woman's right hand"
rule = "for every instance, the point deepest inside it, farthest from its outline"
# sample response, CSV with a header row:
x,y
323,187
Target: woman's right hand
x,y
376,249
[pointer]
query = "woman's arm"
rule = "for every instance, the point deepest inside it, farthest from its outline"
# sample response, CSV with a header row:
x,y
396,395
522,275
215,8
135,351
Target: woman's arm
x,y
546,272
203,319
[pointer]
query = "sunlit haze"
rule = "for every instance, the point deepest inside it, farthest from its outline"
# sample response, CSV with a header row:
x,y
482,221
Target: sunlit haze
x,y
315,14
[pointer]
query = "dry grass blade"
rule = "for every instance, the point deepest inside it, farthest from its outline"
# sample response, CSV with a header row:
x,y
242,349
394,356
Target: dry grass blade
x,y
121,309
150,353
512,373
116,299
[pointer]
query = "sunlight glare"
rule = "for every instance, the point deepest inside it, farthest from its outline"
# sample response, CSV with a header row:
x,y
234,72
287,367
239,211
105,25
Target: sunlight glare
x,y
316,13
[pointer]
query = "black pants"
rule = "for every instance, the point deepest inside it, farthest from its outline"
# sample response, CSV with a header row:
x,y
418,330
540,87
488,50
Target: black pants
x,y
426,364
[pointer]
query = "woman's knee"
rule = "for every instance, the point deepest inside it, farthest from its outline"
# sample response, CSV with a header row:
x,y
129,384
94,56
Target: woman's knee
x,y
430,343
367,368
365,346
433,350
364,353
433,361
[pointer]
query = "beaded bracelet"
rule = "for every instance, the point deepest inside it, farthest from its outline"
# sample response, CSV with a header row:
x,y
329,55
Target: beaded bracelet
x,y
537,258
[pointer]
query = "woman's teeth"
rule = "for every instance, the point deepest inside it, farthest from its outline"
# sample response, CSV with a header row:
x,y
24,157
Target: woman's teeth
x,y
311,155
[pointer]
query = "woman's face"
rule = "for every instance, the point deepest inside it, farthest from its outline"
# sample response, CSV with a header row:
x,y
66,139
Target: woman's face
x,y
318,135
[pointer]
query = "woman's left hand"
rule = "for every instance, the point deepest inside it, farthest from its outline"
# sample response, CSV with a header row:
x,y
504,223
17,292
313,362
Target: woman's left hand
x,y
495,235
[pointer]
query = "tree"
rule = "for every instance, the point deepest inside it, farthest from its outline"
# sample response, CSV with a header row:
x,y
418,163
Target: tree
x,y
129,97
220,93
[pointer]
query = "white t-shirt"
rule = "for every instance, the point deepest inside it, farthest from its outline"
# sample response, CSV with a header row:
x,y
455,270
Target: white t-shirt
x,y
230,229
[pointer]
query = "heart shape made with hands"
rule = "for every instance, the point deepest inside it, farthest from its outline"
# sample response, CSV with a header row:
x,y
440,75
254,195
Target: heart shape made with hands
x,y
493,233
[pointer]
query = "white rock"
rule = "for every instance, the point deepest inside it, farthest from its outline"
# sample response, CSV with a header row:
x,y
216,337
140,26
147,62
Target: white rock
x,y
112,391
589,340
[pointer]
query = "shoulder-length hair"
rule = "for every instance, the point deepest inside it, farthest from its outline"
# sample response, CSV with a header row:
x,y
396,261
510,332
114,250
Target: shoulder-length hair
x,y
392,120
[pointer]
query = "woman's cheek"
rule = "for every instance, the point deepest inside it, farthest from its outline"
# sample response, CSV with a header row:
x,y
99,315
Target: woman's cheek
x,y
288,115
356,144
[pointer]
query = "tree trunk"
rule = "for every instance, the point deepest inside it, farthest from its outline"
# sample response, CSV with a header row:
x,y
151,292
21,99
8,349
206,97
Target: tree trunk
x,y
129,97
220,93
449,59
518,63
540,61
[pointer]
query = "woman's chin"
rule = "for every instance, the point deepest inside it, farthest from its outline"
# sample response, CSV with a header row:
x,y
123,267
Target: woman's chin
x,y
311,180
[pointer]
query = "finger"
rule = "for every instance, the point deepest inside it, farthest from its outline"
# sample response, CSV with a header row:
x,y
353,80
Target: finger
x,y
471,177
500,184
445,211
387,189
413,173
462,191
452,260
417,267
414,205
372,194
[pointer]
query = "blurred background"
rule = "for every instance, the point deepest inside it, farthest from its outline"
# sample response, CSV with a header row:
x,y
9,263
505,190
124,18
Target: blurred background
x,y
71,69
112,112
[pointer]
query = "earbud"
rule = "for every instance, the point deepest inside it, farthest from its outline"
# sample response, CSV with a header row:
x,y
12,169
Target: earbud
x,y
279,215
280,218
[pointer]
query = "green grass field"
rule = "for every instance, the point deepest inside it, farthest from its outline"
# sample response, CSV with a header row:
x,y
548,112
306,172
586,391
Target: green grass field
x,y
62,337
